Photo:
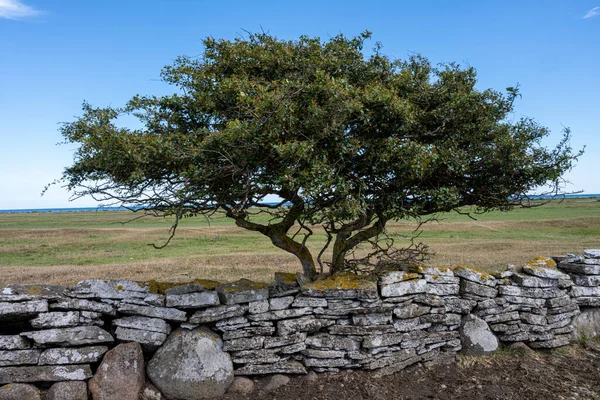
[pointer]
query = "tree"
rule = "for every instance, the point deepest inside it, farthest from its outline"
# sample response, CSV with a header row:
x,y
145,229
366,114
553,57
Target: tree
x,y
346,141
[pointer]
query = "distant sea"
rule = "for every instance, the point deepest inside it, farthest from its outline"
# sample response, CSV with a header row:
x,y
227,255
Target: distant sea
x,y
80,209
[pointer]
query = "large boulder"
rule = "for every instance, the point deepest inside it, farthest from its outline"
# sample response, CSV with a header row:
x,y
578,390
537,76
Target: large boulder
x,y
67,391
191,365
19,391
476,336
120,376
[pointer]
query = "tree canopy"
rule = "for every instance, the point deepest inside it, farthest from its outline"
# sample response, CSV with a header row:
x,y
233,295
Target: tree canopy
x,y
348,140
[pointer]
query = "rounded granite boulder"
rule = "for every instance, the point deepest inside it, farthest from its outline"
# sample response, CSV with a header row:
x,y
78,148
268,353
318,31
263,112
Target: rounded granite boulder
x,y
191,365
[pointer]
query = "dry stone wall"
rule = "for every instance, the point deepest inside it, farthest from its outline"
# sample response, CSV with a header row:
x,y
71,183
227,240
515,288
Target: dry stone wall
x,y
56,333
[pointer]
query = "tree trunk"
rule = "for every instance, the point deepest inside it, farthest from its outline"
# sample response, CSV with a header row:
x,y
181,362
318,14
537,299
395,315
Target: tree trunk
x,y
284,242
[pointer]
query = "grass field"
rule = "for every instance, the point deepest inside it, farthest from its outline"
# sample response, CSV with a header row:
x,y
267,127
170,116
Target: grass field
x,y
66,247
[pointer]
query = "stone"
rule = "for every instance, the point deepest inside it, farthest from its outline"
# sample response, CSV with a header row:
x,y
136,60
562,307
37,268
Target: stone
x,y
442,290
280,303
275,382
148,340
475,276
214,314
193,300
395,358
143,323
411,310
48,292
150,392
545,272
241,385
14,342
247,332
441,279
120,375
412,324
592,253
112,289
191,364
539,293
327,362
527,301
258,307
280,341
585,291
23,310
303,324
372,319
19,357
56,319
460,306
85,305
46,373
430,300
586,280
309,302
249,343
586,324
343,285
281,314
397,276
282,367
77,336
169,314
557,341
20,391
360,330
404,288
533,281
67,391
242,291
476,336
580,269
334,342
261,356
467,286
314,353
80,355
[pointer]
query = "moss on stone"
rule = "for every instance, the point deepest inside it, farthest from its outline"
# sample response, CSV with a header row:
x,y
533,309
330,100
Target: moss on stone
x,y
343,281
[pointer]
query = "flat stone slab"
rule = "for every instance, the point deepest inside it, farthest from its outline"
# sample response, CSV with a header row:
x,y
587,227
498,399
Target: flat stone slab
x,y
404,288
14,342
592,253
214,314
22,310
242,291
304,324
581,269
85,305
193,300
341,286
473,275
56,319
40,291
81,355
144,324
148,340
78,336
397,276
170,314
544,272
48,373
282,367
112,289
19,357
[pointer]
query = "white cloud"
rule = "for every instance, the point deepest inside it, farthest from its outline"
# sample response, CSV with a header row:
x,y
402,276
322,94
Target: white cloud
x,y
14,9
592,13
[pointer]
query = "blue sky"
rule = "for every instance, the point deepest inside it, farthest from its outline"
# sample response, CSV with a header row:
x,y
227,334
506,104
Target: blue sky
x,y
55,54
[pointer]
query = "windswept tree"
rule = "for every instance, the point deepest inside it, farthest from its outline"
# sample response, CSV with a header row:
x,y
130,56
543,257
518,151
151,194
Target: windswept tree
x,y
346,141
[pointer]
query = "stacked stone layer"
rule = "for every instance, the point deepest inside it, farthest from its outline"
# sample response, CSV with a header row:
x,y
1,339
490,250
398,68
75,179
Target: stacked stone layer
x,y
55,333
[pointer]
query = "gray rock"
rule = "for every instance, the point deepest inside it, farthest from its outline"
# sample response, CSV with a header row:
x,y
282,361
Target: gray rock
x,y
22,310
411,310
242,291
193,300
334,342
86,305
280,341
48,292
442,290
360,330
557,341
580,269
56,319
484,291
586,280
341,286
544,293
476,336
587,324
397,276
20,391
77,336
282,367
314,353
120,376
441,279
309,302
275,382
112,289
67,391
170,314
81,355
585,291
249,343
241,385
527,301
247,332
150,392
280,303
430,300
396,358
327,362
404,288
19,357
261,356
149,340
533,281
588,301
143,323
13,342
257,307
460,306
191,365
592,253
544,272
478,277
281,314
47,373
303,324
372,319
214,314
412,324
